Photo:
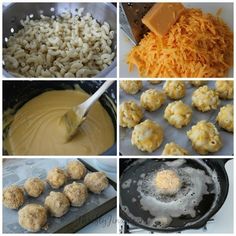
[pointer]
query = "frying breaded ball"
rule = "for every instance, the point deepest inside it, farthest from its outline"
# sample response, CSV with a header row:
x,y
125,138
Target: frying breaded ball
x,y
131,86
56,177
130,114
167,182
225,88
197,83
13,197
173,149
205,99
32,217
147,136
174,89
76,169
178,114
155,81
225,118
152,99
96,182
76,193
205,137
57,204
34,187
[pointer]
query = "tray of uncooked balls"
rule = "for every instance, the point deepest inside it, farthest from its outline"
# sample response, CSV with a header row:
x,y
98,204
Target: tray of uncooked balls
x,y
176,117
53,195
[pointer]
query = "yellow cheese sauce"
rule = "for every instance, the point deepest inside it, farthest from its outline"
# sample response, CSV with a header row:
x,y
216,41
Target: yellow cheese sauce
x,y
36,129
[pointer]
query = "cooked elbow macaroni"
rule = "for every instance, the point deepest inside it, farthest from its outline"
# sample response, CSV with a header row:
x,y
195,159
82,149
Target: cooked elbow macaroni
x,y
178,114
131,86
62,46
225,89
205,99
173,149
152,99
204,137
130,114
225,118
174,89
147,136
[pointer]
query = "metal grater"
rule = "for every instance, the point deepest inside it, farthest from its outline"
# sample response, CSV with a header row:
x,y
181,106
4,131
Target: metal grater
x,y
131,15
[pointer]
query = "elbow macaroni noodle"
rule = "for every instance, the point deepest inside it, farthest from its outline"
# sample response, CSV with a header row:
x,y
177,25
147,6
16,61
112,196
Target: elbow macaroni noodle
x,y
61,46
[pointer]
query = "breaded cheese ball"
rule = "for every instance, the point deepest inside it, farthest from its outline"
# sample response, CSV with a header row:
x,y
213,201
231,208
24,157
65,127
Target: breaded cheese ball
x,y
178,114
131,86
130,114
147,136
96,182
77,193
225,89
205,137
76,169
174,89
205,99
34,187
56,177
155,81
173,149
13,197
32,217
197,83
225,118
57,204
167,182
152,99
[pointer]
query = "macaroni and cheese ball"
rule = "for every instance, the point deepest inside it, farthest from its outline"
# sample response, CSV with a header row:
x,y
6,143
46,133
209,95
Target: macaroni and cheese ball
x,y
225,89
32,217
167,182
131,86
76,169
205,137
13,197
130,114
147,136
197,83
56,177
173,149
152,99
77,193
205,99
57,204
175,89
96,182
34,187
178,114
225,118
155,81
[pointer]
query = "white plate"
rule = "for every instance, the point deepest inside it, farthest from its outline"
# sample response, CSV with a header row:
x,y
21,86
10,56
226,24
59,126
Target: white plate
x,y
126,44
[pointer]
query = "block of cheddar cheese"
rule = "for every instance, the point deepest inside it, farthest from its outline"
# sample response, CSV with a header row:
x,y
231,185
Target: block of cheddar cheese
x,y
162,16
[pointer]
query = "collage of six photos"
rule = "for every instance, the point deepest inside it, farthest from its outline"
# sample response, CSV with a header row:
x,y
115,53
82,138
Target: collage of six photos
x,y
117,117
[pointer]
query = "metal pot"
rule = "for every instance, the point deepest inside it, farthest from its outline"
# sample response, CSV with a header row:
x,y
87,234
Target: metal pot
x,y
14,12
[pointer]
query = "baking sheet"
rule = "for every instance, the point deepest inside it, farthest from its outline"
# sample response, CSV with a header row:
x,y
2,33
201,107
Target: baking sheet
x,y
126,45
172,134
16,171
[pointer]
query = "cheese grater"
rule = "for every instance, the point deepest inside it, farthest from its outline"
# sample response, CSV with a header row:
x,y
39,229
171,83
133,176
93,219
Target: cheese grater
x,y
131,15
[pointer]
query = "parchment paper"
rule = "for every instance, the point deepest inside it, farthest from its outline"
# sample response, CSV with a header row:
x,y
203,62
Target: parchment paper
x,y
16,171
171,134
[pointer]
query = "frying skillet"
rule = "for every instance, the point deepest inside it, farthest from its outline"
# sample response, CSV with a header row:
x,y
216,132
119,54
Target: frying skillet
x,y
209,205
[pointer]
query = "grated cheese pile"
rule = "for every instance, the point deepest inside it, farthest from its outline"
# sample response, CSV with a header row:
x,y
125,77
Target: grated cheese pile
x,y
198,45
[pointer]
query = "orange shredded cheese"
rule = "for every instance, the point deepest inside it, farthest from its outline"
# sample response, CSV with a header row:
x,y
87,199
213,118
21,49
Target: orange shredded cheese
x,y
198,45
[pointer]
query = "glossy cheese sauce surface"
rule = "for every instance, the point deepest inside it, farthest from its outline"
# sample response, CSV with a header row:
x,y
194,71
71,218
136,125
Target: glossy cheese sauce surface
x,y
36,128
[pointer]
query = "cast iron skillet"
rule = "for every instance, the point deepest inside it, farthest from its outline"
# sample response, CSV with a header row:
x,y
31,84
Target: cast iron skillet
x,y
16,93
205,210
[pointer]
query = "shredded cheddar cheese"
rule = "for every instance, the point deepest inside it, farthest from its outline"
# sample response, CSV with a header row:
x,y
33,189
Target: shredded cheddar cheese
x,y
198,45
